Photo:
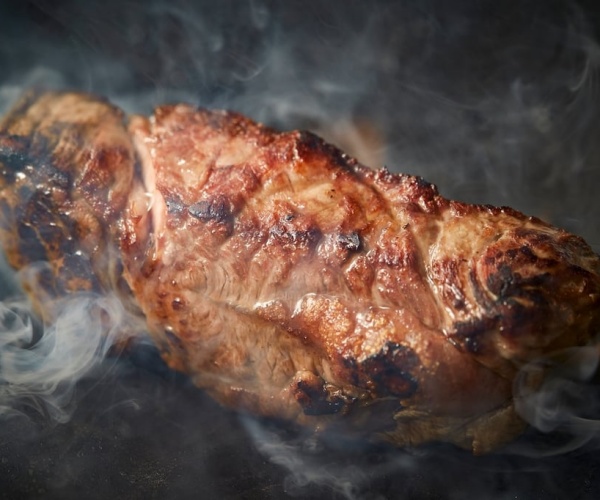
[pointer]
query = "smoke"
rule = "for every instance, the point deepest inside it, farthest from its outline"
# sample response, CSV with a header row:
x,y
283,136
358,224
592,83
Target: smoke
x,y
560,395
340,469
494,104
40,364
337,473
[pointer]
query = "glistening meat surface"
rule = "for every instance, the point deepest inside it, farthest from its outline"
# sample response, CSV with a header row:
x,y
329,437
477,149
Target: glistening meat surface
x,y
287,279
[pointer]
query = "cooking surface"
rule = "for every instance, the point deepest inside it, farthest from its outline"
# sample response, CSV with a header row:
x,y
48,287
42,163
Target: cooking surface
x,y
140,433
493,104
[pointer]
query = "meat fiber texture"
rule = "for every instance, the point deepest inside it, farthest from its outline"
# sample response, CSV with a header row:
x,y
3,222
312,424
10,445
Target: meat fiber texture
x,y
287,279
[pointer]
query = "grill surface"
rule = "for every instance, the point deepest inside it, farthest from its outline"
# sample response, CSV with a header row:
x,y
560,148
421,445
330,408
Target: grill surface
x,y
149,434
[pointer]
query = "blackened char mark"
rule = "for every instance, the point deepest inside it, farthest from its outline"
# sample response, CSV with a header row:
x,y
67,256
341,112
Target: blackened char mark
x,y
302,237
390,372
217,210
507,285
296,231
14,157
472,336
174,205
42,213
316,397
216,214
34,159
31,249
41,225
502,282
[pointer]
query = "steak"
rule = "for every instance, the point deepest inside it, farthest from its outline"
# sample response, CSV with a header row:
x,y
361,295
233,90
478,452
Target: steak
x,y
284,277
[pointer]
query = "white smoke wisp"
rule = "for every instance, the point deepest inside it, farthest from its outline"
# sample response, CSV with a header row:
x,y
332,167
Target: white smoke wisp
x,y
559,395
300,458
40,366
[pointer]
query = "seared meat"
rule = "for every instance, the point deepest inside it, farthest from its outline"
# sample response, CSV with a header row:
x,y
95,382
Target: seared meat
x,y
67,167
287,279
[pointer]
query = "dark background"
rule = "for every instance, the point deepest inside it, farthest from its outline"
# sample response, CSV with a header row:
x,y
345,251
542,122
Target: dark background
x,y
495,102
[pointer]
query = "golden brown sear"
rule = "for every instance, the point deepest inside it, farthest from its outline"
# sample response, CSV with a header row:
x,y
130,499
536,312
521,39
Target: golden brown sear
x,y
287,279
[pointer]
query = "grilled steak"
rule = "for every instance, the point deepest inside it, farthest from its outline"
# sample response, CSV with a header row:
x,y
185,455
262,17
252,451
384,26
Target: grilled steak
x,y
284,277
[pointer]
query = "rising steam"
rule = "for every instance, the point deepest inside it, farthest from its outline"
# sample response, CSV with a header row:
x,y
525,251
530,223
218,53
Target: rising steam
x,y
560,394
41,363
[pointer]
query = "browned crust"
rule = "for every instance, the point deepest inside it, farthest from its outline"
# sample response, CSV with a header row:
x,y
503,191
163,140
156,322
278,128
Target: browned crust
x,y
290,280
67,166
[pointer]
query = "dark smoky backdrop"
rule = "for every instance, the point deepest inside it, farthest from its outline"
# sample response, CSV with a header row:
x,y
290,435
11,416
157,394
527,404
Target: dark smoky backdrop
x,y
494,102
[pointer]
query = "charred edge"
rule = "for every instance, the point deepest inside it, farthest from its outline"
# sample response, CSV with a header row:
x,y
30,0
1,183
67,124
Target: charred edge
x,y
524,252
513,302
507,285
517,317
421,183
389,371
316,398
310,144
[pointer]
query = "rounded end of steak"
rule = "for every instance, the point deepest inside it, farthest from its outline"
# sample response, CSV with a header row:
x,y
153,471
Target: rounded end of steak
x,y
539,288
66,170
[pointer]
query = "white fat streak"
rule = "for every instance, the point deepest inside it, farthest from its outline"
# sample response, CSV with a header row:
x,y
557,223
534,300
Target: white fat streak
x,y
155,203
43,371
